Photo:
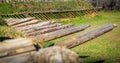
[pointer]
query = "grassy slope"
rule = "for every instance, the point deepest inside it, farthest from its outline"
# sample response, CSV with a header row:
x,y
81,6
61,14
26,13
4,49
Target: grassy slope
x,y
104,48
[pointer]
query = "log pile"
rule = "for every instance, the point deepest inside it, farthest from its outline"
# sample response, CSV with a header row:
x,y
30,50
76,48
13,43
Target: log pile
x,y
32,27
22,51
42,31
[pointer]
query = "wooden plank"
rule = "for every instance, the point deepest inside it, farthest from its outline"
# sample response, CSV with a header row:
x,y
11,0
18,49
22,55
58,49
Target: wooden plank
x,y
79,39
48,30
59,33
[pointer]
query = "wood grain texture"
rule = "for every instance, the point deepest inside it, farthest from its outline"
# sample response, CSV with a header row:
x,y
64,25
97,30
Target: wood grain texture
x,y
81,38
48,30
59,33
15,22
15,46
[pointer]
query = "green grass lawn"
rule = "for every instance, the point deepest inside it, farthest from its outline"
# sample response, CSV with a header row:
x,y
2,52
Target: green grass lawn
x,y
105,48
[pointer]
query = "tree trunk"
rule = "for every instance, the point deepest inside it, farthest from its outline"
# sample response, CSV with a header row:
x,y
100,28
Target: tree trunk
x,y
79,39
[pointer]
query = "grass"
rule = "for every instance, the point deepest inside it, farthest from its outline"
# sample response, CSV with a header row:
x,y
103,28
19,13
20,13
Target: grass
x,y
105,48
6,31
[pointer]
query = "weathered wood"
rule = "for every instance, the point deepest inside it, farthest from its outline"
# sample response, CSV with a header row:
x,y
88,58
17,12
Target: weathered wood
x,y
59,33
79,39
27,23
17,51
15,46
53,54
48,30
42,27
21,58
20,21
10,20
34,25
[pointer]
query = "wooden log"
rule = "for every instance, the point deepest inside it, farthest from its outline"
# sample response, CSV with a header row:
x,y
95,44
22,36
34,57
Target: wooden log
x,y
48,30
21,58
59,33
34,25
26,23
21,21
17,51
16,43
15,46
79,39
53,54
42,27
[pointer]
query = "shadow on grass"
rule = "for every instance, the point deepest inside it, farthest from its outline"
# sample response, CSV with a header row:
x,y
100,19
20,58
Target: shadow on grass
x,y
83,56
100,61
4,38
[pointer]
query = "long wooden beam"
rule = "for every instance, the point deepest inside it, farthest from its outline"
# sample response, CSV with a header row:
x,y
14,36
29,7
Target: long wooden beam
x,y
86,36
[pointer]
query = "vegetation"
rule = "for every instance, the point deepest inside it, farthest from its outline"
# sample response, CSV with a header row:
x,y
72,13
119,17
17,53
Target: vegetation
x,y
16,7
102,49
2,22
